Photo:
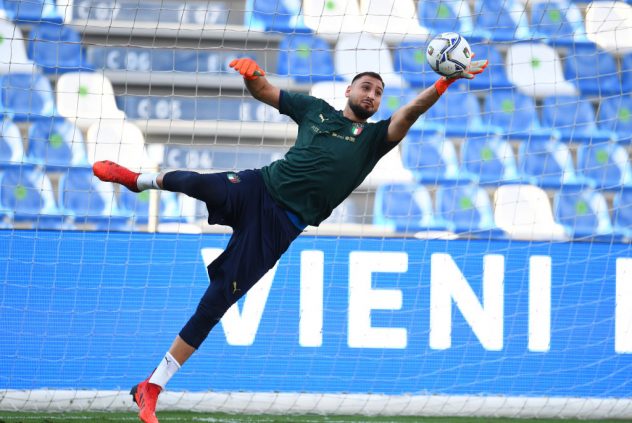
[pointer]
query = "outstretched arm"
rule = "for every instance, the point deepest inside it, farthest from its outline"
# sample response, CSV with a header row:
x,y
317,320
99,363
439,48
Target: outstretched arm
x,y
404,118
256,82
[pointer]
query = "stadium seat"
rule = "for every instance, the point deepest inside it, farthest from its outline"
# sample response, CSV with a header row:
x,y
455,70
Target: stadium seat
x,y
393,98
615,115
489,160
275,15
305,58
119,141
622,213
11,145
409,61
626,73
536,70
584,214
449,16
90,201
26,193
548,164
574,118
333,92
27,97
33,11
389,169
495,75
608,164
13,57
136,205
394,21
503,20
593,71
406,208
57,49
85,98
432,157
56,143
524,213
515,113
609,25
560,22
460,114
332,18
468,209
364,52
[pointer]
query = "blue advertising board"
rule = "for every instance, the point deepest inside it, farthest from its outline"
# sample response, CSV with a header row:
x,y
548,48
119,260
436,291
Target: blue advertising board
x,y
89,310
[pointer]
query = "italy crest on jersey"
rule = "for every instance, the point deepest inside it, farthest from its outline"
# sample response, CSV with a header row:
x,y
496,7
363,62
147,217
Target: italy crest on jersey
x,y
357,128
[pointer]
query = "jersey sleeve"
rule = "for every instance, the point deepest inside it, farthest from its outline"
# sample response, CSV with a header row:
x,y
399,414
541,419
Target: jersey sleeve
x,y
295,105
383,145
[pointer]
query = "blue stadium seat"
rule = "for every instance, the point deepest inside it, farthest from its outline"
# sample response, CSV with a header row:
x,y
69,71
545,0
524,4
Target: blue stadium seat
x,y
460,114
87,200
26,194
57,49
449,16
622,213
306,58
608,164
548,164
56,143
626,73
431,157
584,214
593,71
574,118
393,98
615,115
559,22
409,60
468,209
27,97
490,160
406,208
11,145
495,75
274,15
136,205
33,11
504,20
515,113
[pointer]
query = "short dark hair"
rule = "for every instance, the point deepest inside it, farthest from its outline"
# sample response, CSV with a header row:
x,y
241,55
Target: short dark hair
x,y
371,74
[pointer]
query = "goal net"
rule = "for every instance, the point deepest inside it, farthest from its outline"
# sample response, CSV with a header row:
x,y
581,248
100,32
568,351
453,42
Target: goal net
x,y
483,268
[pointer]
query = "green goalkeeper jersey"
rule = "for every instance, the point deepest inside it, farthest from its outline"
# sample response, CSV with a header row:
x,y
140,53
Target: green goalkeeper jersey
x,y
331,156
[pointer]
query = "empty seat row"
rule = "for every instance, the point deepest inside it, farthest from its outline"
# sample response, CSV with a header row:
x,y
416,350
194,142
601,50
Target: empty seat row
x,y
517,212
27,196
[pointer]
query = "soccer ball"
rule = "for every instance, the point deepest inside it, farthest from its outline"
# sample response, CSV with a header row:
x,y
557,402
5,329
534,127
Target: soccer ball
x,y
448,54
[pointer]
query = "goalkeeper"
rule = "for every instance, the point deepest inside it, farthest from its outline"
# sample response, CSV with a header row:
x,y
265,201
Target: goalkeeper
x,y
269,207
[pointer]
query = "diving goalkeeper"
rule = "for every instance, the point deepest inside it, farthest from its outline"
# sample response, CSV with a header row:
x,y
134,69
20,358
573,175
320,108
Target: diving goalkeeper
x,y
268,208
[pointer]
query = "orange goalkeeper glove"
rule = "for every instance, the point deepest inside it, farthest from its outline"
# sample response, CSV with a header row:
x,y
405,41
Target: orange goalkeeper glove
x,y
472,70
247,67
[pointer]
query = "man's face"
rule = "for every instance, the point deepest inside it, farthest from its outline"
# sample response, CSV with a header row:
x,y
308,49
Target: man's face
x,y
365,95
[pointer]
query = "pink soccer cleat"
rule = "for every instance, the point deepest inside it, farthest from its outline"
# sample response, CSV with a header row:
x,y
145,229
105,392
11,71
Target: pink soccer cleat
x,y
111,172
145,395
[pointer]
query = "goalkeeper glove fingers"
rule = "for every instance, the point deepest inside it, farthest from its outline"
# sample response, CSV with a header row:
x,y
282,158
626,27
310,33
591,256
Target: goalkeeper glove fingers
x,y
247,67
475,67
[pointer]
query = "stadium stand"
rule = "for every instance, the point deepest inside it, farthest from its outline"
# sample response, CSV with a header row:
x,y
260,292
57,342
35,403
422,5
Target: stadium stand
x,y
57,49
607,164
460,114
560,22
584,214
495,76
332,18
87,201
468,209
32,11
306,58
406,208
55,143
394,21
137,206
524,212
275,15
609,25
574,118
13,57
489,160
615,115
502,20
27,97
11,144
622,213
409,61
593,71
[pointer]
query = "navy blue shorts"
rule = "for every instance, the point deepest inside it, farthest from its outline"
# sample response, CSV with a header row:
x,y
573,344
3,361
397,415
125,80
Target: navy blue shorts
x,y
262,232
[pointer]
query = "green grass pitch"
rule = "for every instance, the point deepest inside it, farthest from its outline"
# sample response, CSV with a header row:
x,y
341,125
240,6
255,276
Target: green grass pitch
x,y
175,416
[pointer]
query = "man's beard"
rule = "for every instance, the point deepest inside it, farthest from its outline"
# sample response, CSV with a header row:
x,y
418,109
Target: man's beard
x,y
359,111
